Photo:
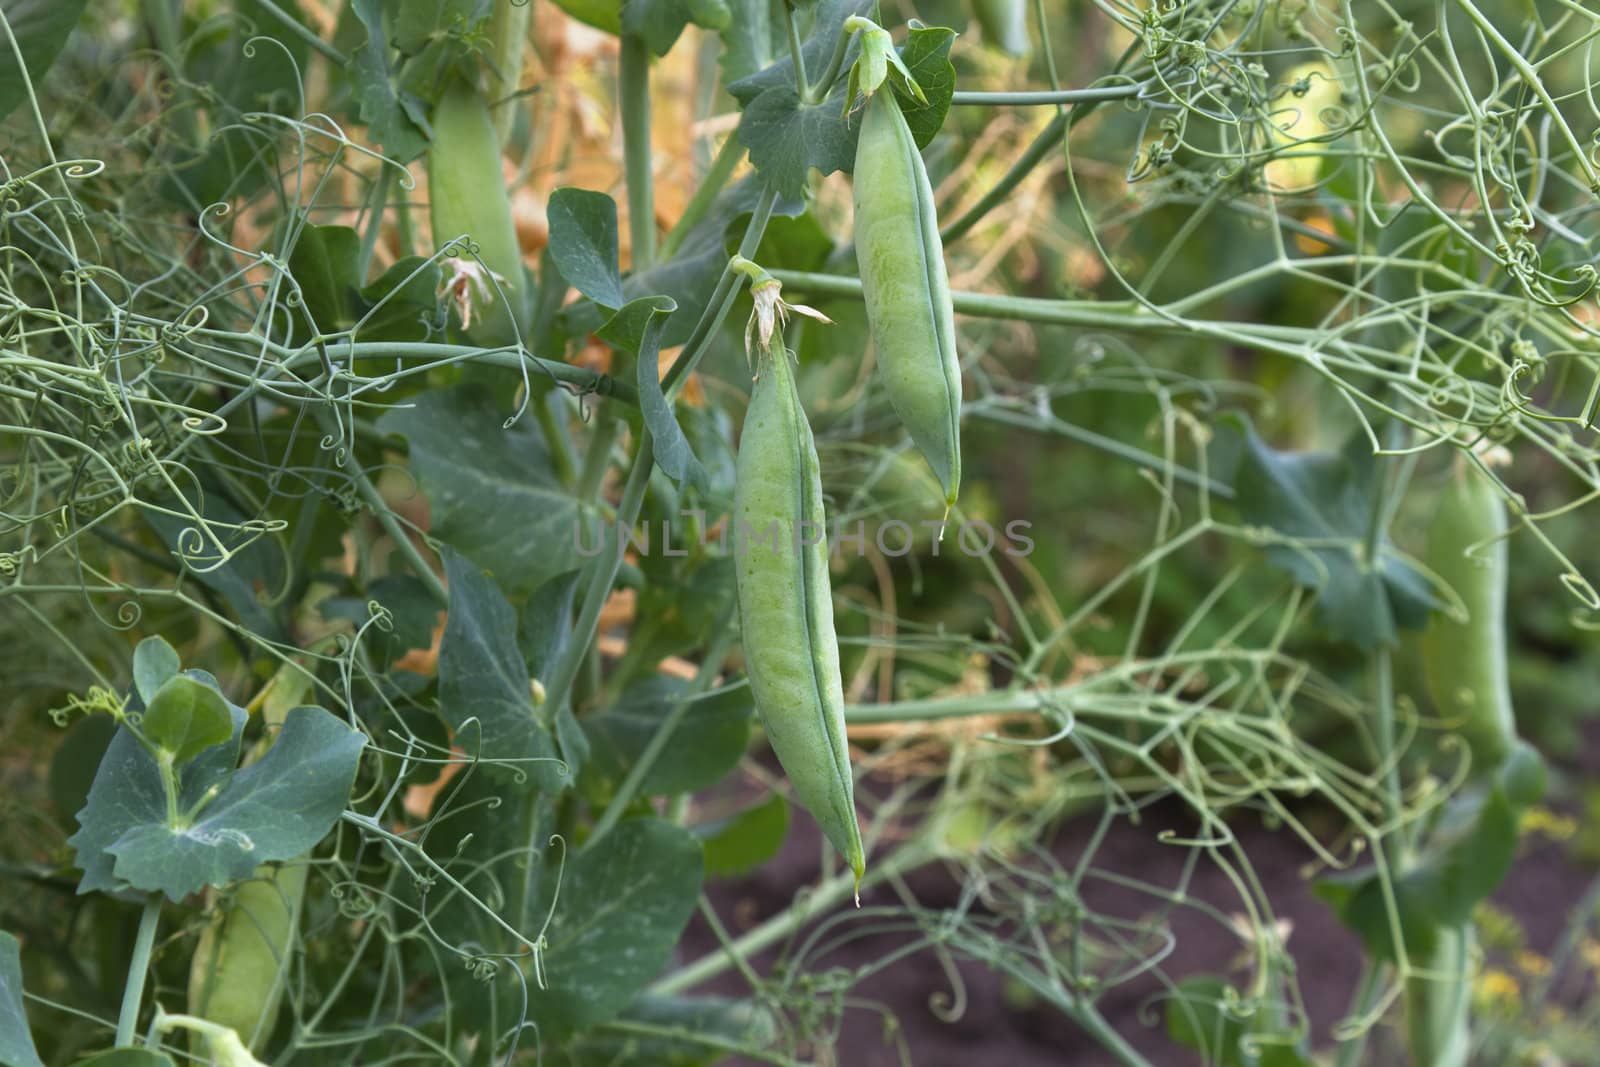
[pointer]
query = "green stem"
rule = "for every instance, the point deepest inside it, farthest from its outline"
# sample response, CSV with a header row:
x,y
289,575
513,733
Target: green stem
x,y
705,194
164,16
830,73
602,572
796,52
311,40
633,91
1042,146
830,894
138,969
380,510
1047,97
1351,1049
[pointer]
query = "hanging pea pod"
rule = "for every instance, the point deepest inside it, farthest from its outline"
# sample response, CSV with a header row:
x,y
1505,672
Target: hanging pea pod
x,y
785,597
1464,653
1004,24
906,287
467,196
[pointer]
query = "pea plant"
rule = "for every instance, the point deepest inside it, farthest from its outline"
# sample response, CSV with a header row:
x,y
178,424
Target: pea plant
x,y
487,483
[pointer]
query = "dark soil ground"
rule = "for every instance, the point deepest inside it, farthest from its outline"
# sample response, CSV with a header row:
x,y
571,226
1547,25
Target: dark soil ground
x,y
996,1028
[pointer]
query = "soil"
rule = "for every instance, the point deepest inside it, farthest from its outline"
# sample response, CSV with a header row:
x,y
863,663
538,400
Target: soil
x,y
995,1027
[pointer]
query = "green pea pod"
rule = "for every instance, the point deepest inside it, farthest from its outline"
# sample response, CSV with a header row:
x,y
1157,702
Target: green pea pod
x,y
236,976
1464,659
467,195
1004,24
1438,1030
786,605
906,288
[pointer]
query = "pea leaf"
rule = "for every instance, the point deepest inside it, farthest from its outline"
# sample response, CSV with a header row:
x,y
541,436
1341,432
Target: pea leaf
x,y
927,56
711,736
622,905
396,119
546,623
583,243
751,40
1204,1014
41,28
1469,855
601,14
16,1043
491,489
786,136
660,22
1324,501
229,819
744,841
154,661
482,676
186,717
672,450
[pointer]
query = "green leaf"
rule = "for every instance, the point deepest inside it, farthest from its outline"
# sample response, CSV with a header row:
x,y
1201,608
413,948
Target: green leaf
x,y
1207,1015
742,842
660,22
275,809
421,23
407,604
787,137
402,304
1325,500
482,676
927,57
325,265
41,28
16,1043
710,738
603,15
394,118
583,243
186,717
1468,856
622,905
672,451
546,624
492,491
127,791
752,40
154,661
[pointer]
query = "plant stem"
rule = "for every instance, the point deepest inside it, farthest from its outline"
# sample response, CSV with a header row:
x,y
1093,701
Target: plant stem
x,y
1048,97
1041,147
796,52
830,73
705,194
311,40
633,91
829,894
138,968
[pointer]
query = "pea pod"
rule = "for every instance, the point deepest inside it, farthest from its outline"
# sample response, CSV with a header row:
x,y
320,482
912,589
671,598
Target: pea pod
x,y
1438,1026
786,604
467,195
906,287
237,975
1004,24
1464,658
